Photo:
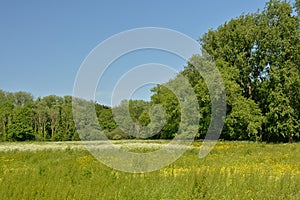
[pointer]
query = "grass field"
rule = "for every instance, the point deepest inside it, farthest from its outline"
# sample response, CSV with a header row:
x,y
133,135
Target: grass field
x,y
233,170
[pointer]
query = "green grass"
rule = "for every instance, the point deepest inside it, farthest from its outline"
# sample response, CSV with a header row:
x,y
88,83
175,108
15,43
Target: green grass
x,y
233,170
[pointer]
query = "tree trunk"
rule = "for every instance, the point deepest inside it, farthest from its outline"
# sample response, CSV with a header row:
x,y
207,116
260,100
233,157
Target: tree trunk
x,y
4,130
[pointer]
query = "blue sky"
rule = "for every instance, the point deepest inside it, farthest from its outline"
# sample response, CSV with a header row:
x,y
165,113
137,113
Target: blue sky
x,y
43,43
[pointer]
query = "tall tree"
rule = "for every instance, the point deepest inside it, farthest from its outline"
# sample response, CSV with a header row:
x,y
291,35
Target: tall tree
x,y
264,49
42,113
21,127
168,100
54,103
6,113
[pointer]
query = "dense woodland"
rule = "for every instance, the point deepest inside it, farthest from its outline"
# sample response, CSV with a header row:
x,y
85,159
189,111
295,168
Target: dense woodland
x,y
258,56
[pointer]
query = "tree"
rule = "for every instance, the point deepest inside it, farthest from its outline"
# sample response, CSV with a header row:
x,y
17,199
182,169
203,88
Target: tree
x,y
22,99
21,128
127,116
6,113
169,102
105,117
54,104
42,115
263,48
66,128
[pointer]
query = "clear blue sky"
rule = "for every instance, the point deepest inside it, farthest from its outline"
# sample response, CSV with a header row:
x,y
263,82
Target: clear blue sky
x,y
43,43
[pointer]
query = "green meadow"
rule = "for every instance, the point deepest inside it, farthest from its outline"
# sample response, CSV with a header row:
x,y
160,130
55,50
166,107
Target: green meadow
x,y
232,170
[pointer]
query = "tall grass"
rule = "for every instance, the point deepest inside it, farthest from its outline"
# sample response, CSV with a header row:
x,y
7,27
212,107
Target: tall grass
x,y
231,171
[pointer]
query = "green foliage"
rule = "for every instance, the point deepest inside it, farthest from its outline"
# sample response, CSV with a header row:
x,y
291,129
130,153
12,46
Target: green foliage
x,y
262,49
48,118
133,118
20,132
169,102
105,117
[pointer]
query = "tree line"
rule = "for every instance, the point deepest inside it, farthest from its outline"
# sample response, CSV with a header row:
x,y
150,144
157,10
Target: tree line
x,y
258,56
